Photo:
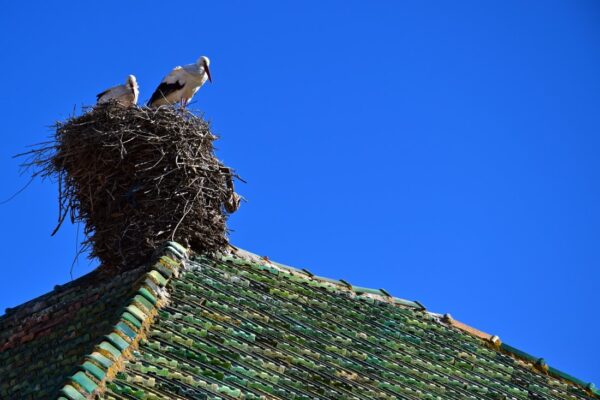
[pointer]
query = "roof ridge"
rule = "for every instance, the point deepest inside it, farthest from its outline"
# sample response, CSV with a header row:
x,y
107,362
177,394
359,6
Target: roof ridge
x,y
382,295
108,356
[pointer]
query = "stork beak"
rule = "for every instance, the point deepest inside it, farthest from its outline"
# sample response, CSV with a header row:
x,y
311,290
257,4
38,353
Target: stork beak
x,y
207,72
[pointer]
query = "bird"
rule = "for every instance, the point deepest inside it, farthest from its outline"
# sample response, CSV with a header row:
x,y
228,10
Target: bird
x,y
125,94
181,84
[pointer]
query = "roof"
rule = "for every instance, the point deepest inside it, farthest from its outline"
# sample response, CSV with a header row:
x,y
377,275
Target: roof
x,y
42,341
239,326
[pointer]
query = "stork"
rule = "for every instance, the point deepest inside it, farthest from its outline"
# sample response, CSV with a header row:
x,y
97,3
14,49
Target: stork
x,y
126,94
181,84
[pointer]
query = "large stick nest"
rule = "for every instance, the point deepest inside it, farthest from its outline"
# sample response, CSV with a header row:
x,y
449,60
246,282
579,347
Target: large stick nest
x,y
137,177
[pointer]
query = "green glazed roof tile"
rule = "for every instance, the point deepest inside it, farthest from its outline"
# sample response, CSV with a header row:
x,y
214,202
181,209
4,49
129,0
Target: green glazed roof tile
x,y
174,252
135,311
84,381
566,376
72,393
93,369
127,316
110,349
154,287
100,359
360,290
148,306
147,295
123,327
170,263
117,341
161,280
179,248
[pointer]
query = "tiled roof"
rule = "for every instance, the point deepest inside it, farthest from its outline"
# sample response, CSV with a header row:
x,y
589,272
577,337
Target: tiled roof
x,y
42,341
242,327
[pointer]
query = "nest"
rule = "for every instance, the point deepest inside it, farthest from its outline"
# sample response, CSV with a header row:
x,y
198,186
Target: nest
x,y
137,177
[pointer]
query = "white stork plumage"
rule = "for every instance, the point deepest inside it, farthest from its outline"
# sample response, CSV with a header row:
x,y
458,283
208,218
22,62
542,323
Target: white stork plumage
x,y
181,84
126,94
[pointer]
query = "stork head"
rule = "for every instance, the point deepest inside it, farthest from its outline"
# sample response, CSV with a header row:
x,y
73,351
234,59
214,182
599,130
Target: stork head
x,y
204,62
131,81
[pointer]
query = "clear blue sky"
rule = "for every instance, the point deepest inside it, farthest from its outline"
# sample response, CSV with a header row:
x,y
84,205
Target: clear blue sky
x,y
445,151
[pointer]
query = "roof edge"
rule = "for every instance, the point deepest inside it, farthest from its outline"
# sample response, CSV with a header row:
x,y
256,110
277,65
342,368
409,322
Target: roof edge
x,y
376,294
382,295
107,357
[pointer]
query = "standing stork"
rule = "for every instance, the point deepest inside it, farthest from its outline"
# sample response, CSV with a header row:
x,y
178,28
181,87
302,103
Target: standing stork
x,y
181,84
126,94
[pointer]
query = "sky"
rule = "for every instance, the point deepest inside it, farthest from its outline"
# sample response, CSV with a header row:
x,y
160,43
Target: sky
x,y
444,151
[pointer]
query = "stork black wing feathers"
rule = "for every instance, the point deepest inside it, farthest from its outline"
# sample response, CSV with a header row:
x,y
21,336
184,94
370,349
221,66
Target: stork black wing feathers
x,y
101,94
163,90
